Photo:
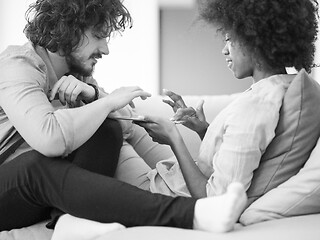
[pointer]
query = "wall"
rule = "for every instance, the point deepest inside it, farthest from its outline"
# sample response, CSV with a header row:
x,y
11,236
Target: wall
x,y
190,55
191,58
12,22
316,71
133,58
177,53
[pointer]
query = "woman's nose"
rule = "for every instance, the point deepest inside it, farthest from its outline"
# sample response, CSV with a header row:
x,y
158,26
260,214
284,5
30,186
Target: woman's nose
x,y
225,50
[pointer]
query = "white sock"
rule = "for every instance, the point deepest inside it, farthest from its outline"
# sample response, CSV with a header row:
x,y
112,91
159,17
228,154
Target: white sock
x,y
220,213
73,228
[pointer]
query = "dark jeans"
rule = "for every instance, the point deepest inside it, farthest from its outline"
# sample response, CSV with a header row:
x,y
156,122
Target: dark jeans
x,y
33,185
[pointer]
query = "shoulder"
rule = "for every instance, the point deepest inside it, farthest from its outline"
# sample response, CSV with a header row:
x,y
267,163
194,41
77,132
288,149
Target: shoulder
x,y
266,95
22,62
263,101
272,89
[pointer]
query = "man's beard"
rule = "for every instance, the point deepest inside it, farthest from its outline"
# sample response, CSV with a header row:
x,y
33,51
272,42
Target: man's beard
x,y
76,67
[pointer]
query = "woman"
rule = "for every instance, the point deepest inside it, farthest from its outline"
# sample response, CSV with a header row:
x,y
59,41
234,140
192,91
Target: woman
x,y
263,38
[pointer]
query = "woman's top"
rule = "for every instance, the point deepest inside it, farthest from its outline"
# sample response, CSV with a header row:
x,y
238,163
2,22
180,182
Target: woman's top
x,y
234,142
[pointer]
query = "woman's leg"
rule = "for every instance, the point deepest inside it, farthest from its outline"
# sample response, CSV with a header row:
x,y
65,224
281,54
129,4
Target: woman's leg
x,y
151,152
132,168
150,166
138,156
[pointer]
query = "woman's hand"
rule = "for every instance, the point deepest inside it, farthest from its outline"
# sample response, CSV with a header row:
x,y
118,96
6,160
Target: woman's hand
x,y
193,119
70,90
161,130
123,96
177,101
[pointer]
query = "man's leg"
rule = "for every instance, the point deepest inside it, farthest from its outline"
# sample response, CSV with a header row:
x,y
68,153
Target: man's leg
x,y
216,214
41,183
18,206
100,153
36,183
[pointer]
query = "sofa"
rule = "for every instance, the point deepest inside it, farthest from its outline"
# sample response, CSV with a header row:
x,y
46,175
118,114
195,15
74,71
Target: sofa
x,y
268,225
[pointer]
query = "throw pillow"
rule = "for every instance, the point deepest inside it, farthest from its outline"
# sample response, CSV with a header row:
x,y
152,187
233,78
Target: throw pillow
x,y
297,132
299,195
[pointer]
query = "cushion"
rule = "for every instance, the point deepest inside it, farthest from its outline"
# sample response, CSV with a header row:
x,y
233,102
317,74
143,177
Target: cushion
x,y
299,195
296,228
296,135
34,232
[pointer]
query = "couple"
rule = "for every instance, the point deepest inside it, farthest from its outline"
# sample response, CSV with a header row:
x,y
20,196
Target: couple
x,y
58,160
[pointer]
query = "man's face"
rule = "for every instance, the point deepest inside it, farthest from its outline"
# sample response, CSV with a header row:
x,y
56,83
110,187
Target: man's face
x,y
84,58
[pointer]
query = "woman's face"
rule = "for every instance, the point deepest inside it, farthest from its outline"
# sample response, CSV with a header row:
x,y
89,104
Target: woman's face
x,y
239,60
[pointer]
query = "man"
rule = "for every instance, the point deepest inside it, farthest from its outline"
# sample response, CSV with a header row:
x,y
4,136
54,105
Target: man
x,y
59,151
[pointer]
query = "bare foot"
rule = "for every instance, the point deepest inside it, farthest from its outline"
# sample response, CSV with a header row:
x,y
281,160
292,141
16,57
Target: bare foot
x,y
73,228
220,213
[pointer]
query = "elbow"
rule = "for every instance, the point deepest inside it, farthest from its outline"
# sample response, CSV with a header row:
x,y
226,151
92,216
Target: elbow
x,y
52,135
53,148
52,153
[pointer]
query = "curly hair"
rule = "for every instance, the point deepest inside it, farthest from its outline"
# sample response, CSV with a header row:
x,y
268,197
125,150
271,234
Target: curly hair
x,y
59,25
280,32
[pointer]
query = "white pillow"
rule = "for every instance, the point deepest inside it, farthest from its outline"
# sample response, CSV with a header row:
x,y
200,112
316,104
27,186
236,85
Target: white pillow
x,y
299,195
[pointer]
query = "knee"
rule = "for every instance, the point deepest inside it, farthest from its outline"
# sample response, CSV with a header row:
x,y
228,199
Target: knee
x,y
30,159
111,130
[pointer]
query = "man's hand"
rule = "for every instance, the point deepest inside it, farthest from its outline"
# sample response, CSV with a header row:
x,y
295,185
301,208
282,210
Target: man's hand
x,y
69,90
122,96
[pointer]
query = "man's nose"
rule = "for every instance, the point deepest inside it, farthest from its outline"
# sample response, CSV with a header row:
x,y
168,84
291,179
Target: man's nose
x,y
104,49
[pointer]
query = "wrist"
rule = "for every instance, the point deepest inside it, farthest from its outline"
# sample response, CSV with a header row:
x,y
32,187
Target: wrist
x,y
96,91
203,130
175,138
